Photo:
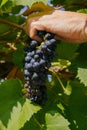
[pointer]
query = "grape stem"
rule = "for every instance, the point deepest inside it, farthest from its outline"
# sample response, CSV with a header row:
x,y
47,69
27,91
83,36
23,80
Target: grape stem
x,y
62,86
12,24
61,83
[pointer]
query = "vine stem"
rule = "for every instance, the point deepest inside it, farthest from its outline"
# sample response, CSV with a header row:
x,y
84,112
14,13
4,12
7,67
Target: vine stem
x,y
12,24
62,86
61,83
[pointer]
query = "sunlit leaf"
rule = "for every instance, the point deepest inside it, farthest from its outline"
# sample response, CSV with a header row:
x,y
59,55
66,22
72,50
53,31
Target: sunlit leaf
x,y
2,127
28,2
21,114
10,93
3,2
55,121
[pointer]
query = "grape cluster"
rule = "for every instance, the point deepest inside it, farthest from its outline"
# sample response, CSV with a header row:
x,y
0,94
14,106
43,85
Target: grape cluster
x,y
37,61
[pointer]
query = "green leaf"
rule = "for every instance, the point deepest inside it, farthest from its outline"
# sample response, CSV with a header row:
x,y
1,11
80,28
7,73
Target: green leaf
x,y
4,28
28,2
9,32
18,56
21,114
2,127
82,63
55,121
3,2
37,121
10,93
82,75
17,111
82,11
78,107
6,7
66,50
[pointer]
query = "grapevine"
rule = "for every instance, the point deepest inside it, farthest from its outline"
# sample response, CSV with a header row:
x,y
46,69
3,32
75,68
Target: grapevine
x,y
43,85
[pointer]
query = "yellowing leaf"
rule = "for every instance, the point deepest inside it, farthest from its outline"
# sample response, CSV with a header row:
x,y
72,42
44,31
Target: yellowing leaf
x,y
38,9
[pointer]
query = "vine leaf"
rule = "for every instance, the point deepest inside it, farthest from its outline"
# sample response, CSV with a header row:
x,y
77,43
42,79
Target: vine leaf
x,y
55,121
66,50
3,2
14,110
18,56
10,93
82,75
21,114
2,127
38,7
78,106
82,64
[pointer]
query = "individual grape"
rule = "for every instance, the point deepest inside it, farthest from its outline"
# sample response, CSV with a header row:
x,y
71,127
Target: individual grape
x,y
42,62
41,34
34,44
39,52
36,57
53,42
26,72
36,66
32,61
43,48
31,54
28,58
35,76
29,67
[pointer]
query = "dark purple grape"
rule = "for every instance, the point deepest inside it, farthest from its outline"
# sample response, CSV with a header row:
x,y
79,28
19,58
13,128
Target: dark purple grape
x,y
35,76
34,44
31,53
42,62
36,66
27,59
41,34
39,52
26,72
43,48
53,42
29,67
36,57
32,61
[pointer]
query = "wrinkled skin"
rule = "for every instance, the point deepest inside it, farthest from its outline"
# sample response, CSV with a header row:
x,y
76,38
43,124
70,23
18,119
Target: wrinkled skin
x,y
67,26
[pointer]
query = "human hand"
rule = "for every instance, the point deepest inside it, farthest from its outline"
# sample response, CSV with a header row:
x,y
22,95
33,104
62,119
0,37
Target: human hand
x,y
67,26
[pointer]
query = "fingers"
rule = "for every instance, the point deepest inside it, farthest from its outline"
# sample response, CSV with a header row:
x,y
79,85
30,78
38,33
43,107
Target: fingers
x,y
33,29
